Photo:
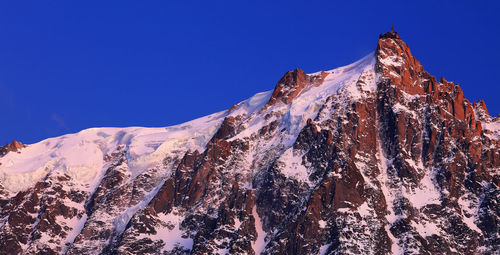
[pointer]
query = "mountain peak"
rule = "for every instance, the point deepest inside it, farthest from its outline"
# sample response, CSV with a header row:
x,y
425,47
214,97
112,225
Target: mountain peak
x,y
13,146
392,35
292,84
289,86
481,106
396,62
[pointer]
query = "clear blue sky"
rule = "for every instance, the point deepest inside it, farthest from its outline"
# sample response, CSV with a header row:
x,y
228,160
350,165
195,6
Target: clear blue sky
x,y
70,65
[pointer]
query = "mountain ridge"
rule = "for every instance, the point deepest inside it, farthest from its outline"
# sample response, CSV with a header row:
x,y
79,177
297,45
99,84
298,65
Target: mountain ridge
x,y
376,157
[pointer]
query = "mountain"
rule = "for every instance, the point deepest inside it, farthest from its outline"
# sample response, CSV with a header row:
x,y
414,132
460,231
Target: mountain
x,y
377,157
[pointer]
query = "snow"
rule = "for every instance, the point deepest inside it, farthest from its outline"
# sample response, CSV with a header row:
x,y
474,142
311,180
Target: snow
x,y
258,245
324,248
322,223
344,210
307,104
291,166
426,192
493,127
361,163
76,224
469,204
397,108
171,234
469,221
364,210
81,155
394,74
390,197
80,158
237,223
122,220
395,248
17,181
426,229
391,61
252,104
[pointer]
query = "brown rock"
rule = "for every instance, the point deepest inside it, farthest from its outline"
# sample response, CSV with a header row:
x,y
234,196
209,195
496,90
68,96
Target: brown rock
x,y
14,146
289,86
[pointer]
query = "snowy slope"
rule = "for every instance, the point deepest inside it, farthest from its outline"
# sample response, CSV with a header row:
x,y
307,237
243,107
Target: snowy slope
x,y
81,155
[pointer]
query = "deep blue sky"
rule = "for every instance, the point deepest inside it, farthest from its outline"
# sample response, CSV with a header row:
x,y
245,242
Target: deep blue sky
x,y
66,66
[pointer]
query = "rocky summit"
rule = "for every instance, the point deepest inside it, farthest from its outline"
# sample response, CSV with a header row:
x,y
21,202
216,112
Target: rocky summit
x,y
377,157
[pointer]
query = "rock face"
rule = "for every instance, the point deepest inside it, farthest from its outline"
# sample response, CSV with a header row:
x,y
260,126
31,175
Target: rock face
x,y
14,146
377,157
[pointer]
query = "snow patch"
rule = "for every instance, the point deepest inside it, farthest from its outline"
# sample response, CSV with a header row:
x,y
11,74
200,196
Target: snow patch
x,y
122,220
322,223
470,206
324,248
391,61
426,192
364,210
426,229
291,166
390,197
171,234
258,245
493,127
76,224
397,108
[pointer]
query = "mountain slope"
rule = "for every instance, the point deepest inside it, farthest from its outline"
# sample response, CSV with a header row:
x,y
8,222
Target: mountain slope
x,y
376,157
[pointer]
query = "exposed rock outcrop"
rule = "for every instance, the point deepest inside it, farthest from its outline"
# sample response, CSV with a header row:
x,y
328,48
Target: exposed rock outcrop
x,y
14,146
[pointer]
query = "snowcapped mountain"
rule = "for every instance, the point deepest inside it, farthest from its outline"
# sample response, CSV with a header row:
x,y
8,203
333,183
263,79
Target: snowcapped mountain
x,y
377,157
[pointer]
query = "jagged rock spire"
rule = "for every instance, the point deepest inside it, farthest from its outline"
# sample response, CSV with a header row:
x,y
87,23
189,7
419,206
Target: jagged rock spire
x,y
13,146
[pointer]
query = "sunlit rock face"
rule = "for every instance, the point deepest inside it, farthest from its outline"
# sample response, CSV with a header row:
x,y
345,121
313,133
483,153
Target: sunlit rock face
x,y
377,157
